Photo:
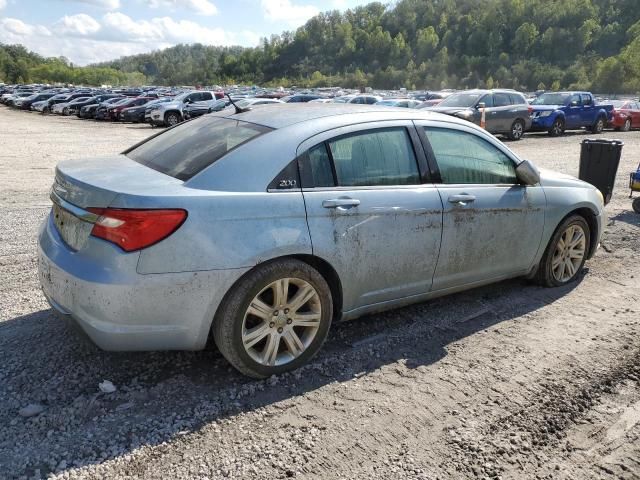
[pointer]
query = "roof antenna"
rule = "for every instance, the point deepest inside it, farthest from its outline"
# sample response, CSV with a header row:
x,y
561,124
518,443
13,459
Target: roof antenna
x,y
238,109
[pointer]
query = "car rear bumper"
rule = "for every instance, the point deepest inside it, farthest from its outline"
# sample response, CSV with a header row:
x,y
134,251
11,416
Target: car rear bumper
x,y
121,310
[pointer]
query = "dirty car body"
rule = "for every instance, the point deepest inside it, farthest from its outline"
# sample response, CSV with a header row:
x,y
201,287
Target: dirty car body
x,y
294,182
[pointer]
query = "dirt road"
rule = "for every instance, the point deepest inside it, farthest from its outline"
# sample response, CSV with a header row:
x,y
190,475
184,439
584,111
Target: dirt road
x,y
506,381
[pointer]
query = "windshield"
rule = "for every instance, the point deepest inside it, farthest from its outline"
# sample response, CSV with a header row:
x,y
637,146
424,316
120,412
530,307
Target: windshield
x,y
551,99
461,100
189,148
344,99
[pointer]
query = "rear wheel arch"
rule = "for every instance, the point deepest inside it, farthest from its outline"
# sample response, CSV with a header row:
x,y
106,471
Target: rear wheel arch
x,y
320,265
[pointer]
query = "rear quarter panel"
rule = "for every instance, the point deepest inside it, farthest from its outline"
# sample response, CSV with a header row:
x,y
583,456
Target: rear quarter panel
x,y
226,230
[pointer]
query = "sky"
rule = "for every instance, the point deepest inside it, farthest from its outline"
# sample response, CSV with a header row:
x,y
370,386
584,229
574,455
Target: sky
x,y
89,31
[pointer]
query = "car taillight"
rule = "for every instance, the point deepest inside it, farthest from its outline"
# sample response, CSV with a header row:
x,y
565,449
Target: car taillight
x,y
136,229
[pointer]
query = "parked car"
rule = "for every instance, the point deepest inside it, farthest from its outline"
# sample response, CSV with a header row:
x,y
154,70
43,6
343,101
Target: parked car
x,y
62,98
102,112
625,115
64,108
506,111
259,229
89,111
555,112
300,98
170,113
196,109
343,99
25,103
252,102
11,99
76,105
399,102
365,99
113,112
137,114
38,106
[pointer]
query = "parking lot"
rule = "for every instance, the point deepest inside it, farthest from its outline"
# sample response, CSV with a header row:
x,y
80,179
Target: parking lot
x,y
506,381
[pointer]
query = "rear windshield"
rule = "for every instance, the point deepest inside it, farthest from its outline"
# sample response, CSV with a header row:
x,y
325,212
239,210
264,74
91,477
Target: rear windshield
x,y
187,149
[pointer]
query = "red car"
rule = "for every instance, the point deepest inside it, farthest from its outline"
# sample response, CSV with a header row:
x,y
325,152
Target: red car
x,y
113,113
626,115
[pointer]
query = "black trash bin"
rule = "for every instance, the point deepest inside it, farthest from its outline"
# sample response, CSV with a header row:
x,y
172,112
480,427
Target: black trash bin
x,y
599,160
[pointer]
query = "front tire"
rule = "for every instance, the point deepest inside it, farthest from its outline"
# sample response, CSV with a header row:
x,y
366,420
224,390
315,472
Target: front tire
x,y
627,125
557,128
275,319
636,205
172,118
566,253
517,130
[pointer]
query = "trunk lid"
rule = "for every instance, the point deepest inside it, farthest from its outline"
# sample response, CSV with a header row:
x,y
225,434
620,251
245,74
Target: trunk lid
x,y
96,183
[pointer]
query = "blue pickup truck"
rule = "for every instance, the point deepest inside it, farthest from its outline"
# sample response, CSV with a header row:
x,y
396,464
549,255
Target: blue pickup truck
x,y
555,112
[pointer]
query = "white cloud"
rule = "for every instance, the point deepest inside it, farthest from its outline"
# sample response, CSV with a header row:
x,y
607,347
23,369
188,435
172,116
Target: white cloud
x,y
285,11
113,36
3,3
202,7
77,25
106,4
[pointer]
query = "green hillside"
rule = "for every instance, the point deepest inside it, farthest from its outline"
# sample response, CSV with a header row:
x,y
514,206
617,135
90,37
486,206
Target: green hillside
x,y
525,44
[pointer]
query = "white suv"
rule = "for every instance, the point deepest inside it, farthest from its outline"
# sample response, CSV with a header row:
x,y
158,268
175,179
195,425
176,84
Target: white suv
x,y
170,113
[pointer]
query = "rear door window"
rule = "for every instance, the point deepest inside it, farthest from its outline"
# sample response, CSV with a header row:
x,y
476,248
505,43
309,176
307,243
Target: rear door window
x,y
517,99
376,157
189,148
586,100
501,100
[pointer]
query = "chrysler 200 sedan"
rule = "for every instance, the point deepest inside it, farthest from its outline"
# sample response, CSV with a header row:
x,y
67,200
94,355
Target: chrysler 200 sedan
x,y
258,229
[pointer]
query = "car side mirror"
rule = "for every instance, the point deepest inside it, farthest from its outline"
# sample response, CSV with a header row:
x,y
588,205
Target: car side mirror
x,y
187,100
527,173
574,103
480,105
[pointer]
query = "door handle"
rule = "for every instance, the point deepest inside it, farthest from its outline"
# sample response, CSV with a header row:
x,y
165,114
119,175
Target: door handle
x,y
493,113
344,202
461,199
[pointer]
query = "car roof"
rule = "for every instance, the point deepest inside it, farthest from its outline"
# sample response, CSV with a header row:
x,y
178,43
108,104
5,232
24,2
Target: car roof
x,y
282,115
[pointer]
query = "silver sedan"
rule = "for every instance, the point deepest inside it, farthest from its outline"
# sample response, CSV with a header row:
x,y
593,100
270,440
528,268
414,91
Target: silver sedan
x,y
258,229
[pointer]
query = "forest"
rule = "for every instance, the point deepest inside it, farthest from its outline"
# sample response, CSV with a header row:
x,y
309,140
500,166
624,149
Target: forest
x,y
416,44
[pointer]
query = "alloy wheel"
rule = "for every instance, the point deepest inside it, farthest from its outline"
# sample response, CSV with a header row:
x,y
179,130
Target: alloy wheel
x,y
172,119
627,125
568,254
517,129
557,128
281,321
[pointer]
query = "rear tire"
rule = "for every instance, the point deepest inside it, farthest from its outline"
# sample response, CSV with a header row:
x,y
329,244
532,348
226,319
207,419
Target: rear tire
x,y
557,128
261,315
517,130
636,205
598,127
566,253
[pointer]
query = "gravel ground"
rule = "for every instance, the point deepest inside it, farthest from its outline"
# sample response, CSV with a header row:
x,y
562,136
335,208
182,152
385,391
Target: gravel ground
x,y
505,381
